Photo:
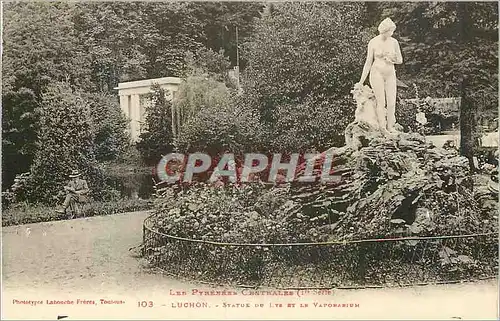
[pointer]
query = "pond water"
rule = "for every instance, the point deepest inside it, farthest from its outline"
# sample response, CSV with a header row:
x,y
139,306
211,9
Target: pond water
x,y
134,185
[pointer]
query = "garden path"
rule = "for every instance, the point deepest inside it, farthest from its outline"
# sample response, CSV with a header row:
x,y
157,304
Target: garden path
x,y
89,258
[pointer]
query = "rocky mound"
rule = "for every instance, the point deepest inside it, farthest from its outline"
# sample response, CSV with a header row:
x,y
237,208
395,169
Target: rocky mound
x,y
399,185
390,187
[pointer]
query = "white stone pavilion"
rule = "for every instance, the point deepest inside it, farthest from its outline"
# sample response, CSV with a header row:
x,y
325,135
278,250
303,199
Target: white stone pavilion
x,y
133,99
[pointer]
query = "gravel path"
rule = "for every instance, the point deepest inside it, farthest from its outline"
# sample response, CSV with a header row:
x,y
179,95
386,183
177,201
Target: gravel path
x,y
89,258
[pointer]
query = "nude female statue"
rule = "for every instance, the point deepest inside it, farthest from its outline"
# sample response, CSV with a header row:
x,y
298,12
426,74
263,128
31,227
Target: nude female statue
x,y
383,53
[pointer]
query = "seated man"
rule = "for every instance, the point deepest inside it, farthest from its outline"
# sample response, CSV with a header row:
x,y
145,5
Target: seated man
x,y
77,190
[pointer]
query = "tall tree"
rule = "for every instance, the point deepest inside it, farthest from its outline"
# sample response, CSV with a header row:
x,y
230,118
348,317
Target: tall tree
x,y
307,54
113,35
220,20
39,47
305,49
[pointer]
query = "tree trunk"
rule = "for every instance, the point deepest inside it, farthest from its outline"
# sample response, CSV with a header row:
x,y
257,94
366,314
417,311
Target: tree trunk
x,y
468,107
468,111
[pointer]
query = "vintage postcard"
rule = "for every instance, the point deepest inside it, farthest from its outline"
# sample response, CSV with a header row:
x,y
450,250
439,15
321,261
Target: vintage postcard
x,y
249,160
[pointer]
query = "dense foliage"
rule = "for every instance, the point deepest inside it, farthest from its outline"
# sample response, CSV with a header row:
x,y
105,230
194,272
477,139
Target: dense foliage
x,y
64,143
93,46
303,59
111,139
131,41
311,125
39,48
305,50
209,63
298,62
221,128
213,118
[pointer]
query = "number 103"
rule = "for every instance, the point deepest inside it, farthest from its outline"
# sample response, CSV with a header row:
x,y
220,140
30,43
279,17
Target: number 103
x,y
145,304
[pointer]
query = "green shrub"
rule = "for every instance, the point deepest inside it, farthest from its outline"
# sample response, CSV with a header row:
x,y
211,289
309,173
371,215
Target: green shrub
x,y
111,139
311,125
218,128
65,142
17,191
214,120
197,92
157,139
128,179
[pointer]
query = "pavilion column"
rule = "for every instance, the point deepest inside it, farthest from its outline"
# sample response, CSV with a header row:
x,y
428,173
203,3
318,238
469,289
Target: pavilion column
x,y
124,105
145,103
178,113
135,116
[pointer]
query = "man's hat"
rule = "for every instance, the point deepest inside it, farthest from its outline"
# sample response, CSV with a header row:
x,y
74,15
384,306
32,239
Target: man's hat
x,y
74,173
